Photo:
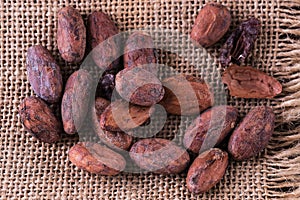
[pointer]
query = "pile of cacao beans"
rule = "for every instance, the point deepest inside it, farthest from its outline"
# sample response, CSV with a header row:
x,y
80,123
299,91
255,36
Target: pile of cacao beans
x,y
135,79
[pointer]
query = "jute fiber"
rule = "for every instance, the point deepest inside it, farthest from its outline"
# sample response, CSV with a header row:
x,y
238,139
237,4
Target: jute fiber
x,y
30,169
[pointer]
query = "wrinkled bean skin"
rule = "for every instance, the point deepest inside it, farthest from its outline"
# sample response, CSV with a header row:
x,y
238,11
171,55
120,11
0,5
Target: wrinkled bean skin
x,y
105,47
160,156
186,95
117,140
253,133
100,105
240,43
123,116
76,100
114,139
207,170
107,84
44,74
96,158
140,52
71,35
139,86
211,127
211,24
248,82
39,120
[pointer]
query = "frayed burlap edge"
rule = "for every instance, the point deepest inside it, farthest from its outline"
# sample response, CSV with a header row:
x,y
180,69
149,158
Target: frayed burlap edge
x,y
283,157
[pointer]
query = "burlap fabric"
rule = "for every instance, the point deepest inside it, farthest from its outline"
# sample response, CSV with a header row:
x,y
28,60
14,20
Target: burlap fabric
x,y
30,169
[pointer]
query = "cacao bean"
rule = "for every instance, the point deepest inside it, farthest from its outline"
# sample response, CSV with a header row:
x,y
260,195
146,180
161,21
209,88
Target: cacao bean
x,y
39,120
206,171
96,158
211,24
186,95
44,74
71,35
253,133
210,128
248,82
159,155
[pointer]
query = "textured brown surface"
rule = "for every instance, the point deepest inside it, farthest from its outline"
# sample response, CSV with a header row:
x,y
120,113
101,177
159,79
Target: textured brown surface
x,y
240,43
139,52
207,170
248,82
96,158
211,24
71,34
159,156
102,29
39,119
139,86
75,101
210,129
121,115
32,170
44,74
186,95
253,133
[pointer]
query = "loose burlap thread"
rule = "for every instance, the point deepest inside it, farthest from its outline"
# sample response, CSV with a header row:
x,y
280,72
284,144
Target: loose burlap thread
x,y
30,169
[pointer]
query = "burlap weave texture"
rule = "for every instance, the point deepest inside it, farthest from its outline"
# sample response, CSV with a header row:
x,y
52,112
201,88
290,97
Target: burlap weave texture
x,y
30,169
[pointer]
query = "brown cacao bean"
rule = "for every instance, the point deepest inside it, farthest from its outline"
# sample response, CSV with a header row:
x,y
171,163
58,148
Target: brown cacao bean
x,y
123,116
105,47
100,105
210,128
248,82
96,158
139,86
159,155
207,170
211,24
253,133
116,140
76,100
140,52
71,35
186,95
39,120
44,74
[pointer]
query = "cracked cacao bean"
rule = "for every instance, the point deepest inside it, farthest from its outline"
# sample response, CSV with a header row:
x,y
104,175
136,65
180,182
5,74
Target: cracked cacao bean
x,y
107,84
240,43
